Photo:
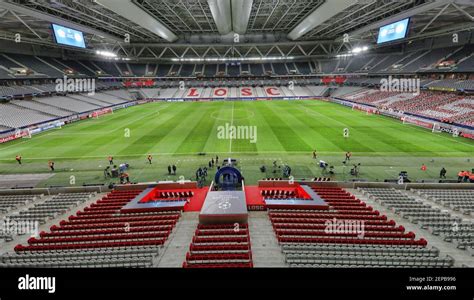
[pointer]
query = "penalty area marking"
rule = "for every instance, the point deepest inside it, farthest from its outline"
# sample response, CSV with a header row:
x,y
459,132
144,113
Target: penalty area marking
x,y
250,115
231,124
55,133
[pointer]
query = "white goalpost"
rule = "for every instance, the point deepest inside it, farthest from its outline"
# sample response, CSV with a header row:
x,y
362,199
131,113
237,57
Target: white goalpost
x,y
28,134
436,128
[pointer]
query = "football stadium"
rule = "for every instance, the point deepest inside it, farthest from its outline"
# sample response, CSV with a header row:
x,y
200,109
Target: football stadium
x,y
225,134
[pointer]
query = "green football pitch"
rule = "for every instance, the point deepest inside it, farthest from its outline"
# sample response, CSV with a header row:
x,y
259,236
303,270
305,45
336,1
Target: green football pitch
x,y
188,134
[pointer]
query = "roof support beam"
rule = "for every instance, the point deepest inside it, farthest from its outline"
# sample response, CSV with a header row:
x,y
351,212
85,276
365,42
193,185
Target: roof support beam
x,y
323,13
463,12
409,13
135,14
222,13
53,19
26,25
241,10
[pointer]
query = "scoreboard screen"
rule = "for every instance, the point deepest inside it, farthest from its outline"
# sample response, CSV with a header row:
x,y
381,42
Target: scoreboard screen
x,y
393,32
68,36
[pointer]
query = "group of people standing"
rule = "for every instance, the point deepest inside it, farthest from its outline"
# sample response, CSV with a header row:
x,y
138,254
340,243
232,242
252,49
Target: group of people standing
x,y
466,176
19,159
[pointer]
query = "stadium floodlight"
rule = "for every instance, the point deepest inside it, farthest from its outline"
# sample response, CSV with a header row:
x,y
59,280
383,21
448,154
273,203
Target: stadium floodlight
x,y
106,54
358,50
344,55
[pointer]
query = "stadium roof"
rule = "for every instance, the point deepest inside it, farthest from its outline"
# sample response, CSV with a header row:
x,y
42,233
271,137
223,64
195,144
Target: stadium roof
x,y
205,28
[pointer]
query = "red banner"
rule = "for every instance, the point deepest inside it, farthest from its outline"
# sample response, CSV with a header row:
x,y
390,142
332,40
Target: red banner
x,y
139,83
100,112
467,135
14,136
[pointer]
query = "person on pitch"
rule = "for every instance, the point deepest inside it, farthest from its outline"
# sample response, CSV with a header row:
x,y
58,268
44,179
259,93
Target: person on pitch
x,y
111,160
460,176
18,159
169,170
442,173
348,156
174,170
315,155
107,173
149,157
51,165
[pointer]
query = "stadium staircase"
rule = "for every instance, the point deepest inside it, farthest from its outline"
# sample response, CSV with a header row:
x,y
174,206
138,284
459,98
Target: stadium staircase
x,y
220,246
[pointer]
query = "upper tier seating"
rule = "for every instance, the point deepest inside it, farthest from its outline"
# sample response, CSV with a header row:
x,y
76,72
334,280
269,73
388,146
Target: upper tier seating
x,y
186,70
80,68
466,65
109,68
138,69
36,65
303,68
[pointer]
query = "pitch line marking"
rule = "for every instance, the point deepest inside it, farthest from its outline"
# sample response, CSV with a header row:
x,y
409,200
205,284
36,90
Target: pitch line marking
x,y
243,152
231,124
312,112
54,133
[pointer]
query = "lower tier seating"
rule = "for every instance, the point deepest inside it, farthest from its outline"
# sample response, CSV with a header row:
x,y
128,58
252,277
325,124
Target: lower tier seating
x,y
457,200
439,222
98,236
348,234
50,208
